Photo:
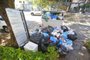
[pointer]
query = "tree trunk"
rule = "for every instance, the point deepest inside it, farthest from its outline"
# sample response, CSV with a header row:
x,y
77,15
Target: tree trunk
x,y
7,4
69,7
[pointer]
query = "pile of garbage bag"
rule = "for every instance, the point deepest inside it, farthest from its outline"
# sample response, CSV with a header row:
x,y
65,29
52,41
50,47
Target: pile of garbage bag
x,y
52,15
62,37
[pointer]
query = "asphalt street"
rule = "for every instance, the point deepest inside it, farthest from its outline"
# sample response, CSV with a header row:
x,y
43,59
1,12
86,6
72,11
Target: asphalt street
x,y
80,52
82,31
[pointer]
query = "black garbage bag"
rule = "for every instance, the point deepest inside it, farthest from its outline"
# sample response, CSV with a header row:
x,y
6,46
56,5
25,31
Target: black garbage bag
x,y
36,37
43,45
72,37
64,28
48,29
41,40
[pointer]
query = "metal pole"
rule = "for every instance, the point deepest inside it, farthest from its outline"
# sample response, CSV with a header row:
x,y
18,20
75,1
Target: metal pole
x,y
25,24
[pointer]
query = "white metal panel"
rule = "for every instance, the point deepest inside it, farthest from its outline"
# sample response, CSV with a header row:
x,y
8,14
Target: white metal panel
x,y
17,26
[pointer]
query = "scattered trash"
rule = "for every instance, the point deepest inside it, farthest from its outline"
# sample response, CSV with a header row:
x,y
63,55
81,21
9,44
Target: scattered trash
x,y
59,36
80,53
52,15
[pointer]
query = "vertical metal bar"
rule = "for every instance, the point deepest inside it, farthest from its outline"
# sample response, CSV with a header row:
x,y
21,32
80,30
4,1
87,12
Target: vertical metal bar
x,y
25,24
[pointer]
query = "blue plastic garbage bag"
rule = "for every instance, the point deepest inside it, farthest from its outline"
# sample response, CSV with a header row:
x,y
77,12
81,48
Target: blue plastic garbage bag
x,y
54,16
53,39
51,16
66,44
62,49
69,42
64,35
45,34
69,45
60,43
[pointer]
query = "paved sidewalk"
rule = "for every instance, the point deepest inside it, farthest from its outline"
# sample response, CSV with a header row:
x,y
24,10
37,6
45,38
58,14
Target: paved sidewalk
x,y
79,52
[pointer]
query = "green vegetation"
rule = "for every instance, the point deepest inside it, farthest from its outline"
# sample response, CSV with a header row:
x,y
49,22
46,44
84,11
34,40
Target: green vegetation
x,y
9,53
44,3
88,45
52,53
47,4
85,6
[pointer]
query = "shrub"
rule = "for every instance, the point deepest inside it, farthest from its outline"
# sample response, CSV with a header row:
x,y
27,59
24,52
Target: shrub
x,y
88,45
9,53
52,53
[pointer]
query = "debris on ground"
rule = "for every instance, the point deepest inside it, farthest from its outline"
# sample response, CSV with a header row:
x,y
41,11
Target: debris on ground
x,y
62,37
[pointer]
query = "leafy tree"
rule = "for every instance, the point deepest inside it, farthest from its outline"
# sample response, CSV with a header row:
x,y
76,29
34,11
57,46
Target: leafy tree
x,y
43,3
50,3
